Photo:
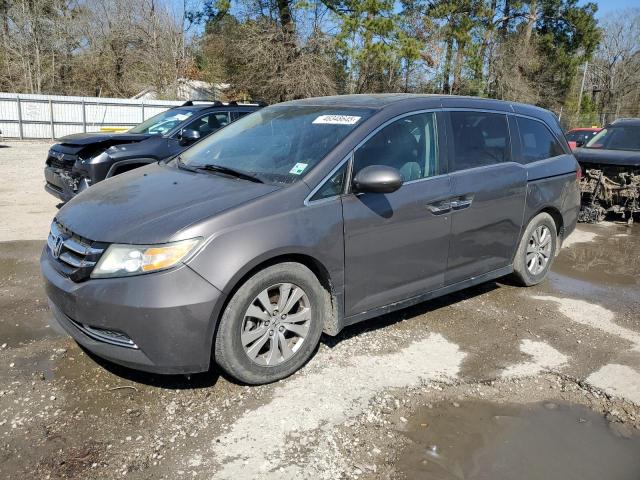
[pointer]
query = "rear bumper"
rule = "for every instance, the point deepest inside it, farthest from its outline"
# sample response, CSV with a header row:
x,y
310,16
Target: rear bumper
x,y
169,316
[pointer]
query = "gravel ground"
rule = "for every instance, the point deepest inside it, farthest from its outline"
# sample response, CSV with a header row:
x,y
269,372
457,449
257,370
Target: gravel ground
x,y
26,209
64,414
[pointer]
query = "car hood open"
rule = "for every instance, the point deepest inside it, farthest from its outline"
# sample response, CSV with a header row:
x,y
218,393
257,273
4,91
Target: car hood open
x,y
151,204
93,138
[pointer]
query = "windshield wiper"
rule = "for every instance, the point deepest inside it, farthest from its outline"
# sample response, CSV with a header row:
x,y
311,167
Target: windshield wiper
x,y
210,167
182,165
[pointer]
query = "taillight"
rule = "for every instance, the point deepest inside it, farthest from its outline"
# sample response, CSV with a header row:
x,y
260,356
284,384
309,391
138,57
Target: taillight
x,y
579,173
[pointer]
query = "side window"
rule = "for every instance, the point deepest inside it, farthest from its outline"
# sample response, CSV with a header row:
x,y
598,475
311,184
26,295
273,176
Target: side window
x,y
333,186
409,144
537,141
238,115
479,139
209,123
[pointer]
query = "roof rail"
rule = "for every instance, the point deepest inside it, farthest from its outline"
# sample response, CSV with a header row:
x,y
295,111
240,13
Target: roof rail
x,y
622,119
218,103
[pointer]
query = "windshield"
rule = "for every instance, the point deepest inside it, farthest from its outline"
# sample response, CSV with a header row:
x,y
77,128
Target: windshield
x,y
163,122
580,135
617,138
277,144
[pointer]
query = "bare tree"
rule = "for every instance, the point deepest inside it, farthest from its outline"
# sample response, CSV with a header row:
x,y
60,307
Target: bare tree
x,y
615,73
271,69
115,47
512,70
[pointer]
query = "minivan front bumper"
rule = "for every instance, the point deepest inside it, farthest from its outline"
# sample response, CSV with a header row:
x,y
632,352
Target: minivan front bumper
x,y
161,322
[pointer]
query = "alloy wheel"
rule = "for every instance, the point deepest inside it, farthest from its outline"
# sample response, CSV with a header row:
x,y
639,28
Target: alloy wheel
x,y
539,250
276,324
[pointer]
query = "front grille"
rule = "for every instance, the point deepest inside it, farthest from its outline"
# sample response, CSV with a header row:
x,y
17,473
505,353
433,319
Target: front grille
x,y
74,256
63,161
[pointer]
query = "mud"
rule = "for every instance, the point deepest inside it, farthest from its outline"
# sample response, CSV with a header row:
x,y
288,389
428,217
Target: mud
x,y
484,440
24,312
611,262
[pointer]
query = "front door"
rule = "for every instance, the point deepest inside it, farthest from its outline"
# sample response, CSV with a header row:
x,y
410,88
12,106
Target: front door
x,y
396,244
488,195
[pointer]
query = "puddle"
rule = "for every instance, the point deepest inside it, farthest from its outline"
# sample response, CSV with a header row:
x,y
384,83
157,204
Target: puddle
x,y
610,259
482,440
24,313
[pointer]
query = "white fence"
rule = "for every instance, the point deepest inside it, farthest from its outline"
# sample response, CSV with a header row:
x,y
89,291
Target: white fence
x,y
53,116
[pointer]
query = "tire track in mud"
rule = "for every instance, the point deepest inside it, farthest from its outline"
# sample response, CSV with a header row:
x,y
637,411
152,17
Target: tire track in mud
x,y
615,379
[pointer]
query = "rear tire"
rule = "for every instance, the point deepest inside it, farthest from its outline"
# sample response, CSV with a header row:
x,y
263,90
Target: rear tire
x,y
272,324
536,251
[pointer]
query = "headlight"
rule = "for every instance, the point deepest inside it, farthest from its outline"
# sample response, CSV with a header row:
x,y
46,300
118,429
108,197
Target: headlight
x,y
125,260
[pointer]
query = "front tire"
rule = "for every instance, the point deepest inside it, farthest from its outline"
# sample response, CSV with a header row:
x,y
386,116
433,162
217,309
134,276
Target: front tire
x,y
536,251
272,324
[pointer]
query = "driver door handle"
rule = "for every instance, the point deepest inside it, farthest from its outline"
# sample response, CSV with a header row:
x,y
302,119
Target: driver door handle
x,y
439,207
460,203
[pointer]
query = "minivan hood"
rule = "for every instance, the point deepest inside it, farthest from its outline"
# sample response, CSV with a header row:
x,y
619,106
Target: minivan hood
x,y
151,204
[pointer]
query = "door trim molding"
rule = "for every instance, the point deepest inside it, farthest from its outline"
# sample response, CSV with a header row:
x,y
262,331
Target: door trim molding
x,y
485,277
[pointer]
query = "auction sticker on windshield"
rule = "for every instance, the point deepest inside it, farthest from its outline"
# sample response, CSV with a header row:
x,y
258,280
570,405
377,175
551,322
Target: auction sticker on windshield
x,y
337,120
298,168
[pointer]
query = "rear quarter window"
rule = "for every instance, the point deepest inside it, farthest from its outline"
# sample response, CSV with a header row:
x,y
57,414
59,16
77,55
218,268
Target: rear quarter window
x,y
536,140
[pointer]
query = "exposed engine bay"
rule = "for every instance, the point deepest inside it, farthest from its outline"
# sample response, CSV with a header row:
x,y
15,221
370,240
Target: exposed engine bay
x,y
81,160
609,189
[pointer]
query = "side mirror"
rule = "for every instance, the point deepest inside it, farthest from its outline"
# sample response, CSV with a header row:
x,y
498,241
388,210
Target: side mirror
x,y
187,136
579,143
377,179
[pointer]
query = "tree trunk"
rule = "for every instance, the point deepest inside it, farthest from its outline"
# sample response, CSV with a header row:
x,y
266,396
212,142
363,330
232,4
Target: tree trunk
x,y
506,18
447,67
486,40
457,69
286,19
531,20
4,18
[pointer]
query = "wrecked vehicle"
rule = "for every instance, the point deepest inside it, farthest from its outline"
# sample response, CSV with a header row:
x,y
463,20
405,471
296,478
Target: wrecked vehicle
x,y
610,164
83,159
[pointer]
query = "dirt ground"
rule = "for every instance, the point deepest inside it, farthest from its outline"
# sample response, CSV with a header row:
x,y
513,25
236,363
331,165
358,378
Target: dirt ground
x,y
441,390
26,209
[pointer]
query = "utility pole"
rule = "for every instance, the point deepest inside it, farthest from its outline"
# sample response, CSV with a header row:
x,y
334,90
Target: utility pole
x,y
584,77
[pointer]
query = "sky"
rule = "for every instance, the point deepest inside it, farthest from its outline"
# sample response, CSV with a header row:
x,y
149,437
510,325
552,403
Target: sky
x,y
608,6
605,7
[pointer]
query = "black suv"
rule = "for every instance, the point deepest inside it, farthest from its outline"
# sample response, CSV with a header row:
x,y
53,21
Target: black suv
x,y
81,160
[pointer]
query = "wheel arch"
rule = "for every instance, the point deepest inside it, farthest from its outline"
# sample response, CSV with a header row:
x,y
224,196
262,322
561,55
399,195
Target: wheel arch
x,y
331,323
557,219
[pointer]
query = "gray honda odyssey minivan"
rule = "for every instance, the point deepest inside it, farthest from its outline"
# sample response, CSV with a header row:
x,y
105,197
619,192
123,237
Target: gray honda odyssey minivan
x,y
306,217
